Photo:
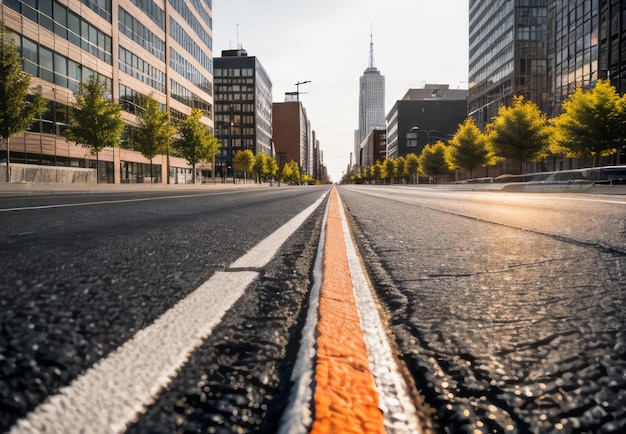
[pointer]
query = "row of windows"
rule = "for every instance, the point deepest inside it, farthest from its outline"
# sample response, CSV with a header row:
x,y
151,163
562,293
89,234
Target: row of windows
x,y
135,66
192,21
245,119
132,27
234,72
190,99
188,71
233,96
54,120
101,7
248,88
490,42
56,18
55,68
152,10
189,45
131,100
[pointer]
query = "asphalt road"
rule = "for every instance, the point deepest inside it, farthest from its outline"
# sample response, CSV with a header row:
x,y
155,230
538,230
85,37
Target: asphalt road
x,y
83,273
508,308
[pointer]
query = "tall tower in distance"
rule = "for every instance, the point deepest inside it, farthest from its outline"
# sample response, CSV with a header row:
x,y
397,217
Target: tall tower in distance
x,y
371,99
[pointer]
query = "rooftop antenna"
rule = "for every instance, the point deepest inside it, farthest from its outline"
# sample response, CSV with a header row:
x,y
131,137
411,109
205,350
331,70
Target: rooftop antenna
x,y
371,47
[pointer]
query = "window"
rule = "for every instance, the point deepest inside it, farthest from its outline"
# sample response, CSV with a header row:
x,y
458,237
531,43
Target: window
x,y
29,52
45,15
46,64
60,20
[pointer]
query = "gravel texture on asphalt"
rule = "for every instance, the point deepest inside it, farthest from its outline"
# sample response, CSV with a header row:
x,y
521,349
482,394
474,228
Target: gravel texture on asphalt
x,y
63,310
238,380
503,330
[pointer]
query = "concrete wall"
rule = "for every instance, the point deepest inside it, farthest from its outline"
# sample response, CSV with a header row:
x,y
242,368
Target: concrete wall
x,y
48,174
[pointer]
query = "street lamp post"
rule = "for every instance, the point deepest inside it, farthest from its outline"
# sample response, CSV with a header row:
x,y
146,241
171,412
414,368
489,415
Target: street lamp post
x,y
298,88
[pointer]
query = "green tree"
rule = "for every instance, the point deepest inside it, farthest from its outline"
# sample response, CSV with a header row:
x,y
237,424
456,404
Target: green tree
x,y
195,143
519,132
272,167
155,132
433,160
593,122
469,148
412,166
401,169
376,171
260,167
19,106
291,173
95,121
390,169
243,161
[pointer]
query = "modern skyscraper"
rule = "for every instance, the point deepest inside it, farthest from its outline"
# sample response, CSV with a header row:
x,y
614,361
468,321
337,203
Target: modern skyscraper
x,y
371,100
136,48
588,42
508,55
243,106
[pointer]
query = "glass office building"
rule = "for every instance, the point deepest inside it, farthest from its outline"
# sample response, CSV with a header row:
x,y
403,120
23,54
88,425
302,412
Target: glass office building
x,y
508,42
137,48
371,101
243,106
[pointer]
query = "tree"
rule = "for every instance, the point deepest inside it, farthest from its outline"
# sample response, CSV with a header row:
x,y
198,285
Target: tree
x,y
376,171
433,160
95,121
469,148
291,173
154,135
401,170
272,167
259,167
390,169
593,122
519,132
243,161
195,143
412,166
19,106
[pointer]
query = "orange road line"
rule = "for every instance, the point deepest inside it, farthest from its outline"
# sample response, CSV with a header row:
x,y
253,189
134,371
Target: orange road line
x,y
345,398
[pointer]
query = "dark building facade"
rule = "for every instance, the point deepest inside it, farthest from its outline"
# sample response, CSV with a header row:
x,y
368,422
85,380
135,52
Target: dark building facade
x,y
422,117
508,55
243,106
292,134
543,50
373,148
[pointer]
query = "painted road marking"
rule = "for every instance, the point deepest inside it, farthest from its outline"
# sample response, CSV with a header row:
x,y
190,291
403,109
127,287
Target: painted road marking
x,y
395,400
358,385
345,397
108,202
117,389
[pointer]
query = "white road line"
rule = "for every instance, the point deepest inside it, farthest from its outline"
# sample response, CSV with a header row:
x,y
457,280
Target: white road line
x,y
260,254
298,416
117,389
400,415
107,202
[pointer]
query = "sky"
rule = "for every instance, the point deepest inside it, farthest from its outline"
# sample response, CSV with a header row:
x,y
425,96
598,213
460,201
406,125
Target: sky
x,y
328,42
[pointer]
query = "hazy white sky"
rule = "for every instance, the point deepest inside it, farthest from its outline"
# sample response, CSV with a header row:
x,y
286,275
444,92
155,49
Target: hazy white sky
x,y
327,42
